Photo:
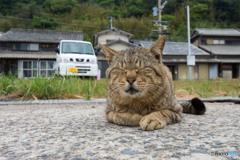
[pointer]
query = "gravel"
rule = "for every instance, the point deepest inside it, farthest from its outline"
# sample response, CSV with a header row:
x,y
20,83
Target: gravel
x,y
80,131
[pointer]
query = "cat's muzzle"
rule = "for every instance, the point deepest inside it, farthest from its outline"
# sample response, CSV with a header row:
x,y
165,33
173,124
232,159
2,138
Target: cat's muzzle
x,y
131,90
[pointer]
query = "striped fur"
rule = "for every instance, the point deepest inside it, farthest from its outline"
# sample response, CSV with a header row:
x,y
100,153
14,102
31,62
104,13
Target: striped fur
x,y
195,106
140,89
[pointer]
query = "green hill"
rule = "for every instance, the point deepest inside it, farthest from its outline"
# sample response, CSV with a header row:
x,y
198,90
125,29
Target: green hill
x,y
133,16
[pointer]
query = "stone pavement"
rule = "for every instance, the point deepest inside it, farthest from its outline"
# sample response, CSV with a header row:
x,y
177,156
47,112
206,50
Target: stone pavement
x,y
80,131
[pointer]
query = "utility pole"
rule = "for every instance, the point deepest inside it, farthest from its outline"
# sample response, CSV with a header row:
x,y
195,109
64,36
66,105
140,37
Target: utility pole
x,y
111,21
190,58
159,17
157,11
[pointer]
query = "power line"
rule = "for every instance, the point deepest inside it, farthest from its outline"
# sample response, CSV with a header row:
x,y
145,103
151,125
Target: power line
x,y
225,7
59,23
81,26
24,11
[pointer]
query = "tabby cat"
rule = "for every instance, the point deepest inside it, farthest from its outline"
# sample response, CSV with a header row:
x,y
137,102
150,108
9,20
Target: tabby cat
x,y
140,89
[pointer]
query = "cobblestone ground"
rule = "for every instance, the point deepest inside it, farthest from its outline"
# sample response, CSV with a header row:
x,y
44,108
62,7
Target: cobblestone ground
x,y
80,131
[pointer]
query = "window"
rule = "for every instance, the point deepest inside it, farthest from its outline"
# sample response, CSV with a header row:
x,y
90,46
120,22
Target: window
x,y
20,46
30,69
48,47
217,41
33,47
46,68
232,42
203,41
77,48
26,46
174,70
34,68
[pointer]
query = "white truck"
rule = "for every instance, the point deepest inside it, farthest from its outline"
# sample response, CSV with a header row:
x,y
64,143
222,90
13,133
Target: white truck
x,y
76,58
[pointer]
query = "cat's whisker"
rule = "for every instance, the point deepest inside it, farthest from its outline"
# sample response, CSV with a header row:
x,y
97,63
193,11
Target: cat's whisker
x,y
140,89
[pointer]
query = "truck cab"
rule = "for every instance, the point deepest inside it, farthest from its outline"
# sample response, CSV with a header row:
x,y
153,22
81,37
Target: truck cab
x,y
76,58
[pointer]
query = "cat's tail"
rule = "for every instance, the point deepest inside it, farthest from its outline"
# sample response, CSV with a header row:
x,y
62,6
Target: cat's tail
x,y
194,106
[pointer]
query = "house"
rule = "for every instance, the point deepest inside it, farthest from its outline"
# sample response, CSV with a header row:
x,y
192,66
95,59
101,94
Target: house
x,y
174,54
175,57
31,53
223,45
113,38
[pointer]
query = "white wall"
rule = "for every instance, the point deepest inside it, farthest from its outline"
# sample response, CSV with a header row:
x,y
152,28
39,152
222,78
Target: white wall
x,y
20,68
112,36
119,46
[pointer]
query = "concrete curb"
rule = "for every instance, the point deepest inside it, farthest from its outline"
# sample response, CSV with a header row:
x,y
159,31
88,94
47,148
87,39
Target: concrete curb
x,y
76,101
9,102
216,99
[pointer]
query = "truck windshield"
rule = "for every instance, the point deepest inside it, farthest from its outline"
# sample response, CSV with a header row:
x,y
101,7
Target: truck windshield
x,y
76,48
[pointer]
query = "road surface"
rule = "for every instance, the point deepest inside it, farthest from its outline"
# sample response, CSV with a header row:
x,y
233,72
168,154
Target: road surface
x,y
80,131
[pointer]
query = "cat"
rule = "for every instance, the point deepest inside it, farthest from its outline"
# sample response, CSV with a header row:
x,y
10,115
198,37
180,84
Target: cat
x,y
140,89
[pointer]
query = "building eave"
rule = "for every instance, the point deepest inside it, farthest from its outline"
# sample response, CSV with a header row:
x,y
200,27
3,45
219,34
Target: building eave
x,y
25,55
114,30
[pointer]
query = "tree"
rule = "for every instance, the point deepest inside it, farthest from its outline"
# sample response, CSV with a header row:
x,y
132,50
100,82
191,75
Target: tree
x,y
26,10
199,11
6,6
44,23
133,16
60,6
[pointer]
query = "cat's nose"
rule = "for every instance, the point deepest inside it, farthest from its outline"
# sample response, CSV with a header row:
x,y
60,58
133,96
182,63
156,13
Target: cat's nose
x,y
131,79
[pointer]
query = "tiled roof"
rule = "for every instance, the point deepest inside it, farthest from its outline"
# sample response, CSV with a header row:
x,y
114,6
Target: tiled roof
x,y
222,49
216,32
114,30
117,42
136,41
35,35
176,48
120,41
180,60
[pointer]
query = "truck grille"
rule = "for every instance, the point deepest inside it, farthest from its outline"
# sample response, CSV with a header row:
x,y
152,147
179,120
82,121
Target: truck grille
x,y
83,66
82,60
83,70
79,60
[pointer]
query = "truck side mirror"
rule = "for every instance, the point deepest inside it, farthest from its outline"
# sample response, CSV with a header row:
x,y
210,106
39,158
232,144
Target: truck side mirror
x,y
57,50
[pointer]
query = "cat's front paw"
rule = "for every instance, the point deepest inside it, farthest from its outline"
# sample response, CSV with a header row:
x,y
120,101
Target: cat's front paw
x,y
150,123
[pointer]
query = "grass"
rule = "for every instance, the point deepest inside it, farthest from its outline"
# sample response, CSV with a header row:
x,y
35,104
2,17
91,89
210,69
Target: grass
x,y
52,88
76,88
211,88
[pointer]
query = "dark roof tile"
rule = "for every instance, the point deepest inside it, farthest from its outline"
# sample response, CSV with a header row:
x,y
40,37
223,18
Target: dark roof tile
x,y
114,30
217,32
176,48
222,49
36,35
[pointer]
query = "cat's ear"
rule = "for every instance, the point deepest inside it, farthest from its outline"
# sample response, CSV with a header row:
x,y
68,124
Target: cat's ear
x,y
109,52
157,48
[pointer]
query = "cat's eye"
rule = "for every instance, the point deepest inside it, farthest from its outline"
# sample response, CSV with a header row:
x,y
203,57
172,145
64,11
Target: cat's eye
x,y
117,71
148,69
